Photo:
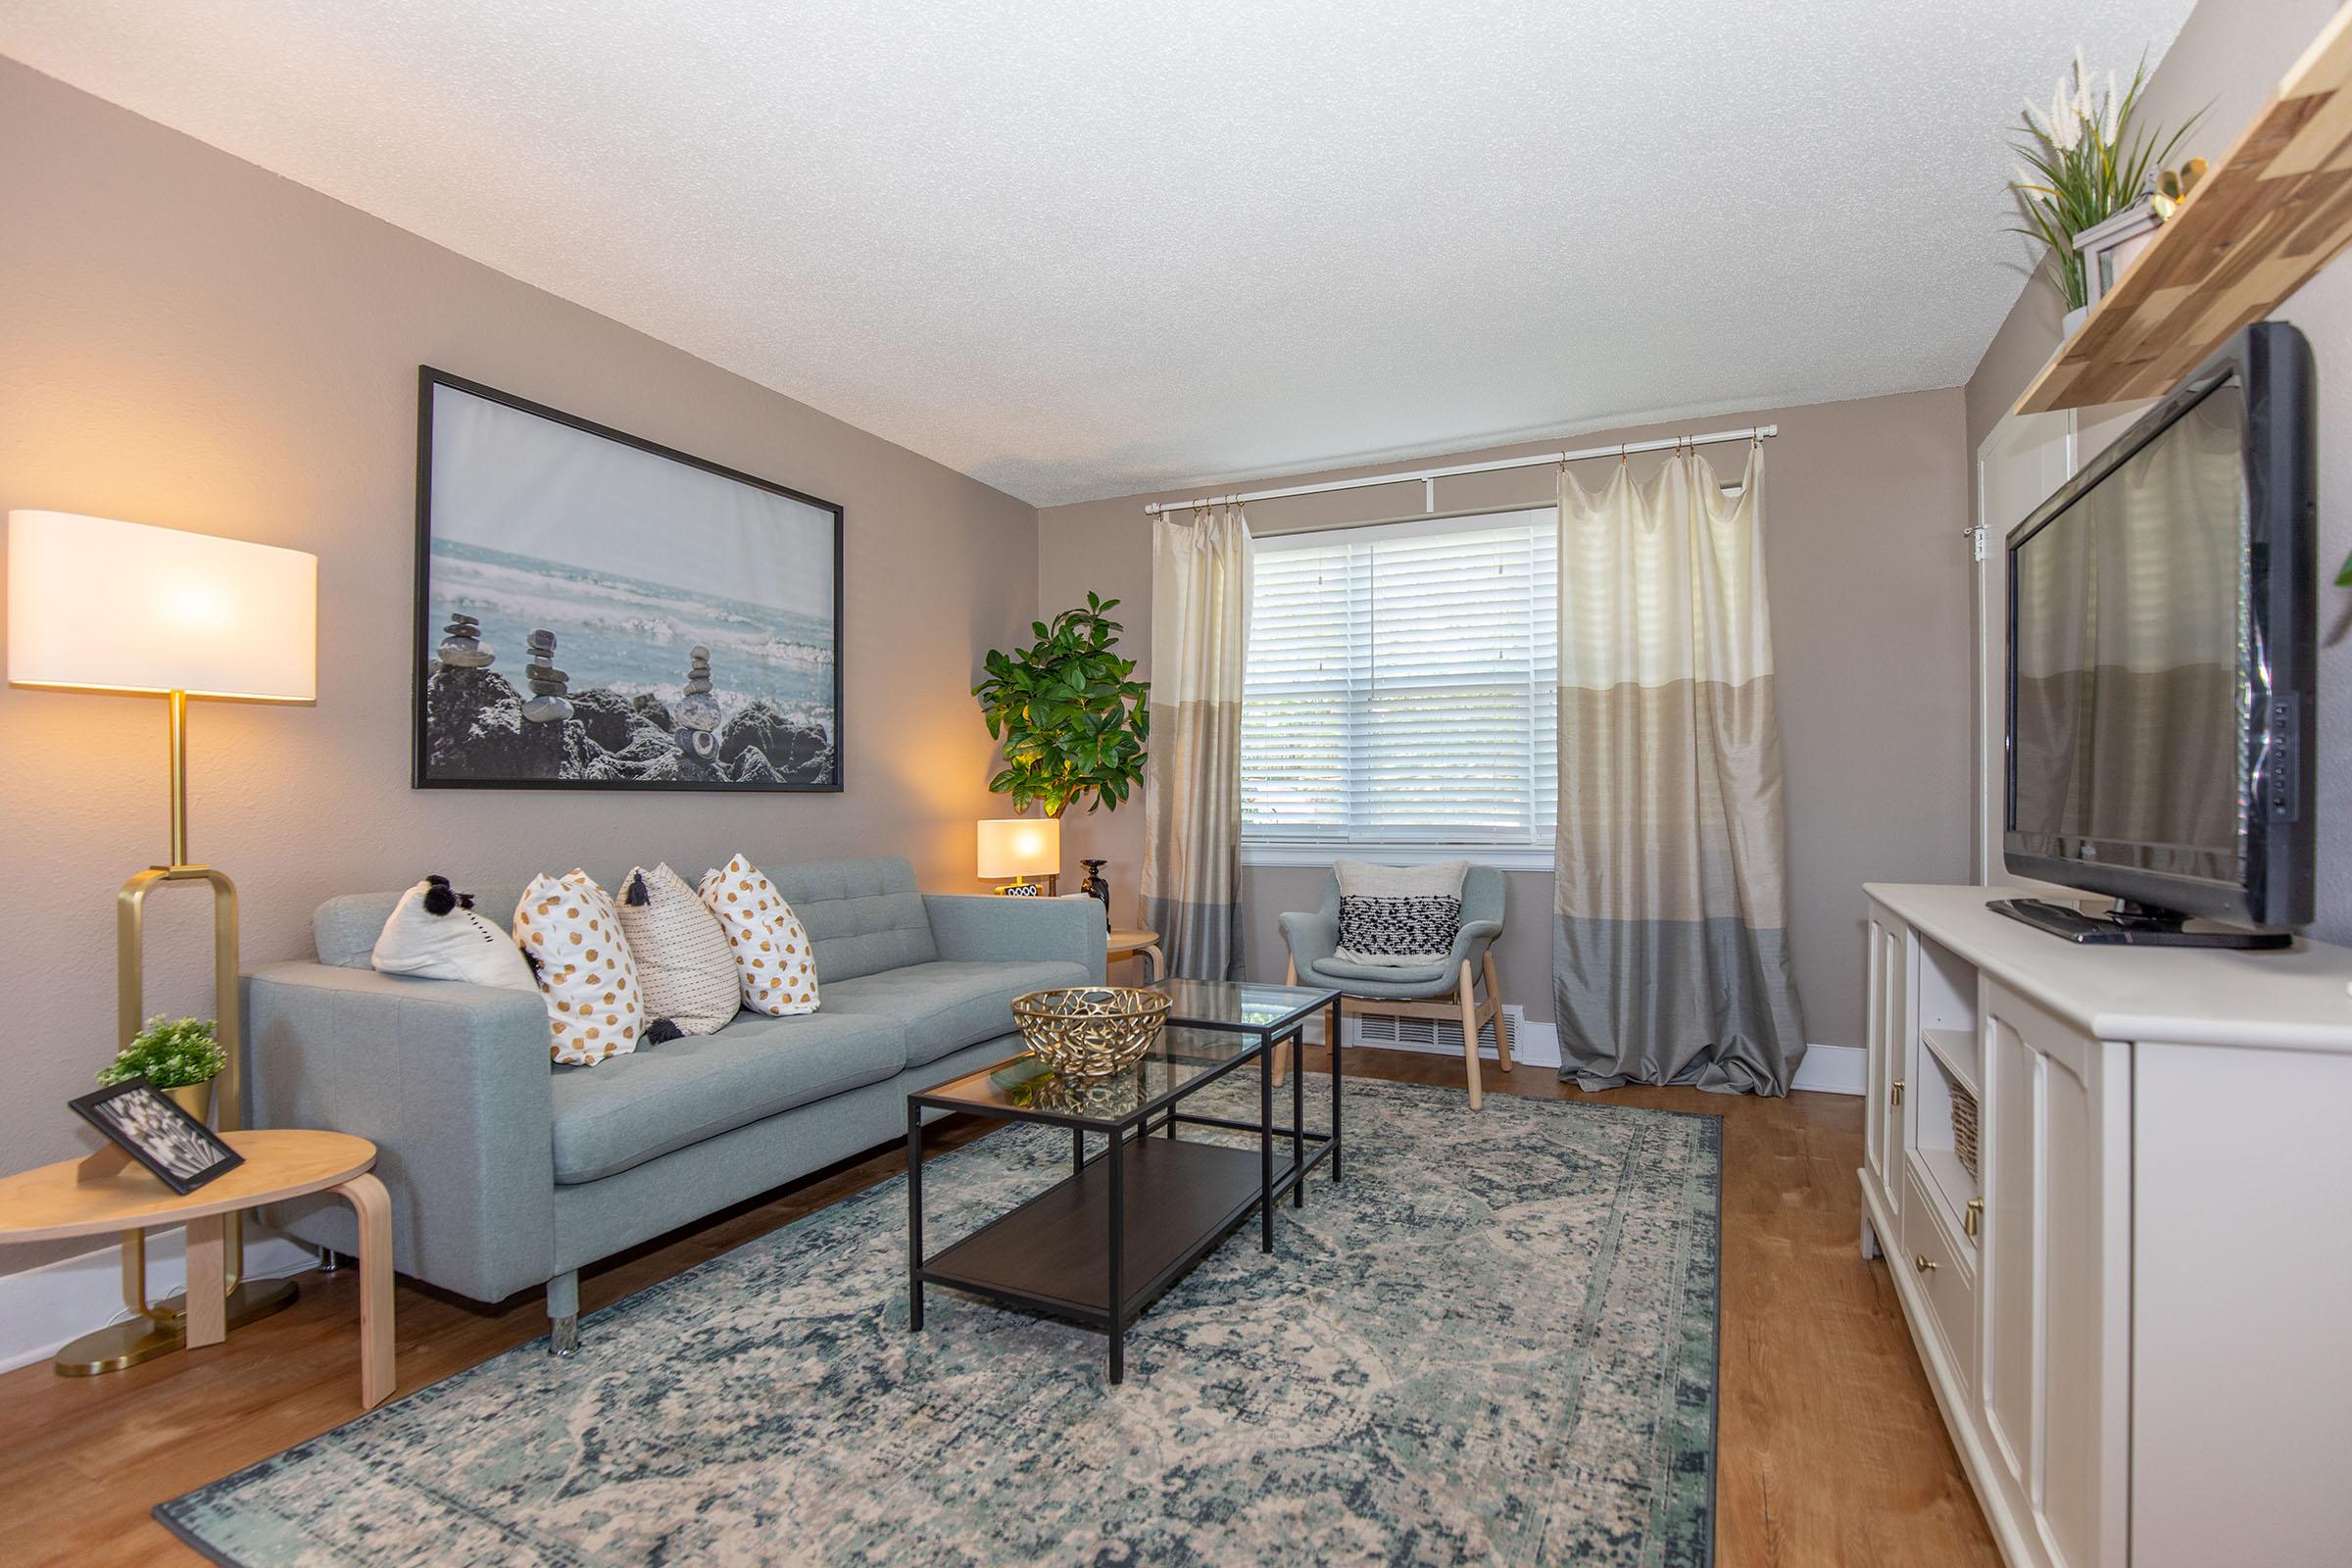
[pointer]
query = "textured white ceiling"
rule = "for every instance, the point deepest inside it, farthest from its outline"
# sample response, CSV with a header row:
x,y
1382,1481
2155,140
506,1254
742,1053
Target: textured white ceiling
x,y
1081,248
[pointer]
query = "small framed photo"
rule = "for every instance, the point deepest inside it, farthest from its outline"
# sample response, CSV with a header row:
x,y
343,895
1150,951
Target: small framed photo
x,y
181,1150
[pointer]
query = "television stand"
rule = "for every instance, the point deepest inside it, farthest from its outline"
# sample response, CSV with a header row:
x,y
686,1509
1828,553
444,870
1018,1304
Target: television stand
x,y
2131,925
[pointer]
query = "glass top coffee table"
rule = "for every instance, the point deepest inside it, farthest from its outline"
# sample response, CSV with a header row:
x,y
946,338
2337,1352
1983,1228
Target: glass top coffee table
x,y
1102,1244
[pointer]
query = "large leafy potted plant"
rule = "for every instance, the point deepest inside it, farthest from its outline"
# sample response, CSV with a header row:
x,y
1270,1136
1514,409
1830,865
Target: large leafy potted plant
x,y
1071,715
2084,162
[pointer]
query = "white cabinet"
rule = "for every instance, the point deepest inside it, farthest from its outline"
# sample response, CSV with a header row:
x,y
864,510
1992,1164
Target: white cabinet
x,y
2134,1295
2057,1234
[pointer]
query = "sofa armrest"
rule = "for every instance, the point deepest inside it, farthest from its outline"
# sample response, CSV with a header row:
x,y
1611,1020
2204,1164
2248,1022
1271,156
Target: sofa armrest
x,y
988,927
450,1081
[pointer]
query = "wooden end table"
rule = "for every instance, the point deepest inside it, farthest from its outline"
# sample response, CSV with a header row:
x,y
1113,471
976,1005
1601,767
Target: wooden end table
x,y
1129,941
108,1194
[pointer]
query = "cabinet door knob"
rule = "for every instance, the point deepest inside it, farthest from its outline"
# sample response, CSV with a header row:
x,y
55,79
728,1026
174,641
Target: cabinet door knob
x,y
1972,1218
1898,1090
1919,1262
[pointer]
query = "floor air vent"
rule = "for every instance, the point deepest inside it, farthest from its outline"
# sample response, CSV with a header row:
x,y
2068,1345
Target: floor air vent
x,y
1367,1026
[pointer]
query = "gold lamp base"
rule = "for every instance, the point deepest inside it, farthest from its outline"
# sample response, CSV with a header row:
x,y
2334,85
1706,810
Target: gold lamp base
x,y
163,1329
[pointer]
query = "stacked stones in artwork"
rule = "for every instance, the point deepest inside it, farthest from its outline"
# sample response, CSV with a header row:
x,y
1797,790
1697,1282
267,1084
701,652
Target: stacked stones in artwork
x,y
478,725
546,705
698,710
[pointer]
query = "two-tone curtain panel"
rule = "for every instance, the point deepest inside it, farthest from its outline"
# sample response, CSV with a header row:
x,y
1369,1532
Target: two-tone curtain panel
x,y
1670,929
1192,879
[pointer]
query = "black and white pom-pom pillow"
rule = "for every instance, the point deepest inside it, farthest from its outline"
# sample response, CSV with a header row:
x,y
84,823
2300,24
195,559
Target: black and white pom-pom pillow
x,y
1398,916
435,935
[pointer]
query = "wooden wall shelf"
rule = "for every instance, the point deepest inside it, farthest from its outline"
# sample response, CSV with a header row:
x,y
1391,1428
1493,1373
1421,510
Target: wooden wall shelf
x,y
2276,209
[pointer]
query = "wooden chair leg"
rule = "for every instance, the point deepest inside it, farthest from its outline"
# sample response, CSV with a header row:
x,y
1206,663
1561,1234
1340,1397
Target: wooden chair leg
x,y
1503,1023
1469,1001
1282,1052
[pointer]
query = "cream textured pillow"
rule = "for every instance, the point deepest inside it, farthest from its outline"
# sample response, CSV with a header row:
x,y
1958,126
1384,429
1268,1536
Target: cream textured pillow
x,y
685,969
772,955
435,935
586,975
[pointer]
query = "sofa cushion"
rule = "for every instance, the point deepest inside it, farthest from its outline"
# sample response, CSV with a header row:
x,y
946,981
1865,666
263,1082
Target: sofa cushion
x,y
632,1109
863,916
944,1006
1420,974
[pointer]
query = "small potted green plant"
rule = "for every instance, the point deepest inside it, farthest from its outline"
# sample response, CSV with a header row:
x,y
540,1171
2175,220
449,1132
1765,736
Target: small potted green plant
x,y
178,1057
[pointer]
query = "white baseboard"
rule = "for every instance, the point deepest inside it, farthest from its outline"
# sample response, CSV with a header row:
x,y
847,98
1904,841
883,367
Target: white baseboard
x,y
1834,1070
1536,1043
43,1310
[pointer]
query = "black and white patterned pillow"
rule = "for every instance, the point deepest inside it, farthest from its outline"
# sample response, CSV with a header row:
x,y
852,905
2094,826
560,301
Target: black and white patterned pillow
x,y
1396,916
1397,930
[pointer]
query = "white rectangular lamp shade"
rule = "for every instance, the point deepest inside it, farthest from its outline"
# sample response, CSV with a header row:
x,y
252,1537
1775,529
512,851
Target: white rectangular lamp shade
x,y
1020,846
97,605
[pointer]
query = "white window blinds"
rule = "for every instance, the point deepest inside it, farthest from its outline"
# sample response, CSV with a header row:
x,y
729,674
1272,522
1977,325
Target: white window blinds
x,y
1400,686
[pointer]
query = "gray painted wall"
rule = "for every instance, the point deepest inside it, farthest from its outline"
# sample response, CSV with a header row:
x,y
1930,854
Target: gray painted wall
x,y
2231,55
1864,503
188,341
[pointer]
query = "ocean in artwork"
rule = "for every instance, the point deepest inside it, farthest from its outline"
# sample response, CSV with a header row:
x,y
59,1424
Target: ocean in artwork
x,y
633,637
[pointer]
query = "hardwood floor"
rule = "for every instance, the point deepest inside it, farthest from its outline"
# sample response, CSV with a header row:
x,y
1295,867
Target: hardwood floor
x,y
1830,1447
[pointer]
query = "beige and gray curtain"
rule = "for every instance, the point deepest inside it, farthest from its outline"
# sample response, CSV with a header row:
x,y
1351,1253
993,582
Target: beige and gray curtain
x,y
1670,924
1192,881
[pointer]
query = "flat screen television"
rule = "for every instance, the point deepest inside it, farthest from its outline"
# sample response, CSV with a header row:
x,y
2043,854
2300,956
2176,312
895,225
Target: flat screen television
x,y
2161,666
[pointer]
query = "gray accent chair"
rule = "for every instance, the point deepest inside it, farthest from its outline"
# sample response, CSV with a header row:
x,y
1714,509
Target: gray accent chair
x,y
507,1171
1444,991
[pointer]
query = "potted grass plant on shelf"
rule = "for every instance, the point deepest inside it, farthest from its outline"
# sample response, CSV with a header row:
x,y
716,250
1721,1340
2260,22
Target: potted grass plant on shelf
x,y
179,1058
2084,161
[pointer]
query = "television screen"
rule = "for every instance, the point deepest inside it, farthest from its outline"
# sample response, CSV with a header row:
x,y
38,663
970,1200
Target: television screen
x,y
2129,693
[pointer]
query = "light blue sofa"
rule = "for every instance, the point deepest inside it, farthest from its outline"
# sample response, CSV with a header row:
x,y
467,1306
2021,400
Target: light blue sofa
x,y
508,1172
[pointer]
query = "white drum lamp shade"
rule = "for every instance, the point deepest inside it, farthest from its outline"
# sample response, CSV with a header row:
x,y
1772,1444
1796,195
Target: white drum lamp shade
x,y
96,605
1020,847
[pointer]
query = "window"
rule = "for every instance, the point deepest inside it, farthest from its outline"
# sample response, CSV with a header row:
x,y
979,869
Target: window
x,y
1400,690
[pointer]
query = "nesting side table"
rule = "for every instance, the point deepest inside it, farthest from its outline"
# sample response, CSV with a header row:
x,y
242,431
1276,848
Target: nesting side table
x,y
107,1194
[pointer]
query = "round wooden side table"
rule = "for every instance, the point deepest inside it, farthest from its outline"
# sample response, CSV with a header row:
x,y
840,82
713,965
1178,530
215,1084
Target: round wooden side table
x,y
107,1193
1127,941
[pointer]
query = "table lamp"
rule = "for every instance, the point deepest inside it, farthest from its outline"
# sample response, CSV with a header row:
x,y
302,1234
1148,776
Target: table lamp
x,y
99,606
1020,847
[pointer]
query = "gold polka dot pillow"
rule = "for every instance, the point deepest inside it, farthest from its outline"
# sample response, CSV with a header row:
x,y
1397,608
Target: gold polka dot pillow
x,y
586,975
773,956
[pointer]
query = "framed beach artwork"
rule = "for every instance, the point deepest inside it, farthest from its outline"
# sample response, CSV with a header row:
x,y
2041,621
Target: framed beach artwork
x,y
596,611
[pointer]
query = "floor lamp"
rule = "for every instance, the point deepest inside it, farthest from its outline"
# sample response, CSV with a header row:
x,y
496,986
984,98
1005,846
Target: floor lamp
x,y
99,606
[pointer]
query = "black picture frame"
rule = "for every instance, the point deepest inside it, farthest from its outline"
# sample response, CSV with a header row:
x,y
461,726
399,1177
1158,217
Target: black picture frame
x,y
830,780
144,1123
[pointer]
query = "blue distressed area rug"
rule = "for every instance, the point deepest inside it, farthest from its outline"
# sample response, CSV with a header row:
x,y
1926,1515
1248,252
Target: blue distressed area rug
x,y
1493,1343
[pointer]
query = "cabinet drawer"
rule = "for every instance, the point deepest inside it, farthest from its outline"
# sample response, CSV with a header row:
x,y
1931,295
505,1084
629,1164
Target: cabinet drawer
x,y
1950,1286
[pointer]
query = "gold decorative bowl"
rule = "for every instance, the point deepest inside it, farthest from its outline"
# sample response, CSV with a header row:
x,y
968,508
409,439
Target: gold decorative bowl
x,y
1090,1031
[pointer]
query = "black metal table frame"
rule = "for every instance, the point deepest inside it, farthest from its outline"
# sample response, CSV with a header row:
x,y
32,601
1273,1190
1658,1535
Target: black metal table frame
x,y
1119,1314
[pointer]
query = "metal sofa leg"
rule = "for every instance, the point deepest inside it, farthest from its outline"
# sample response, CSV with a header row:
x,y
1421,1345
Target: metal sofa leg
x,y
564,1314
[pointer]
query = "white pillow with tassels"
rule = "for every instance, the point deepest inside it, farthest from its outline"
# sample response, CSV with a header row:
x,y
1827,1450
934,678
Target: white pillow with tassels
x,y
685,969
435,935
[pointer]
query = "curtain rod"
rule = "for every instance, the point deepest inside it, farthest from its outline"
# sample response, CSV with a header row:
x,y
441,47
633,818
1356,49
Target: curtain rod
x,y
1428,477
